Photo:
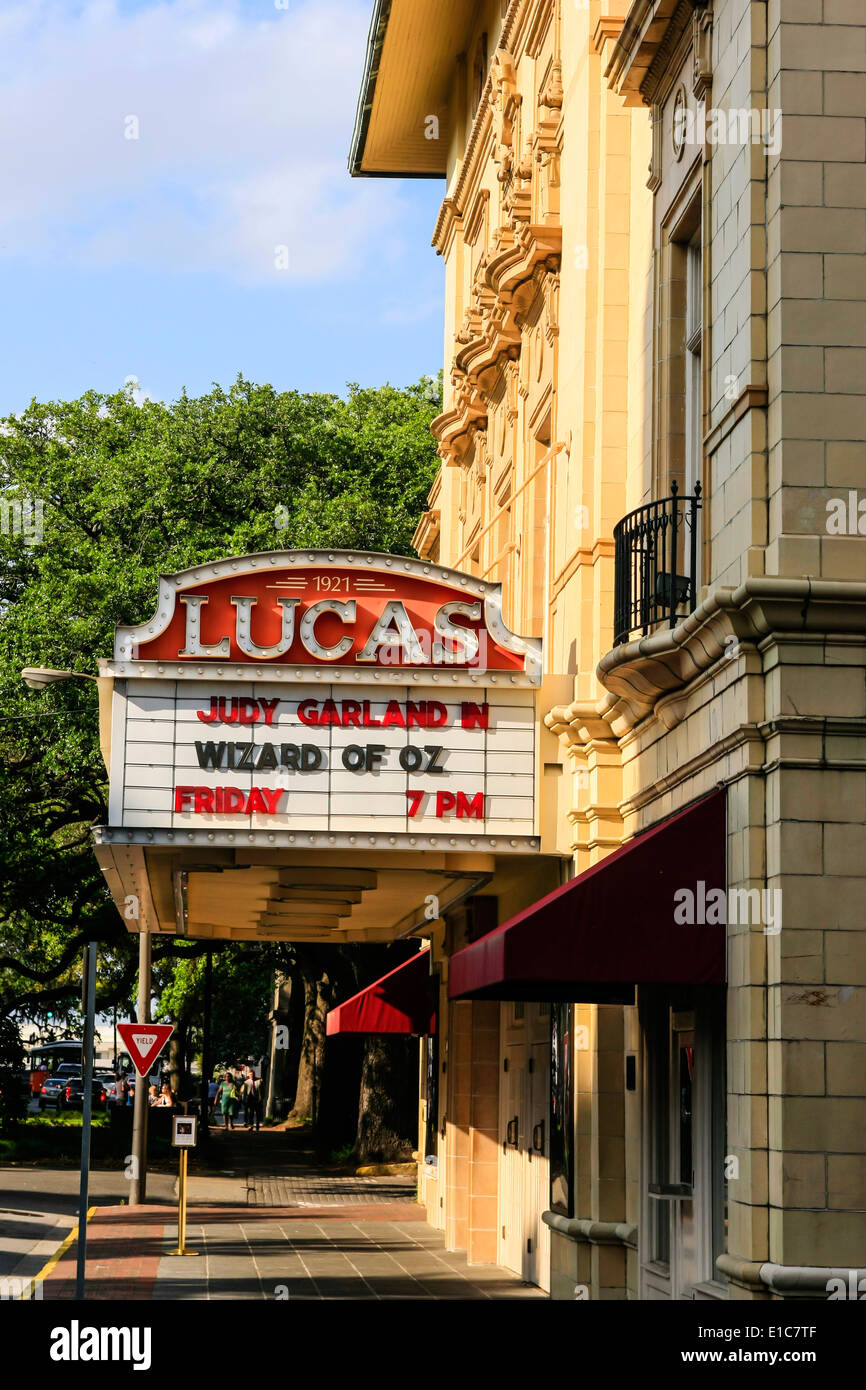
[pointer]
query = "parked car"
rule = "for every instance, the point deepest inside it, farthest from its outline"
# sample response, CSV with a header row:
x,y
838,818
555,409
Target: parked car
x,y
155,1079
52,1092
73,1095
111,1084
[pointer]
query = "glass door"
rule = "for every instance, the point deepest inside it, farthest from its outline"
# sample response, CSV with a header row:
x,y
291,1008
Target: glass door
x,y
683,1084
683,1218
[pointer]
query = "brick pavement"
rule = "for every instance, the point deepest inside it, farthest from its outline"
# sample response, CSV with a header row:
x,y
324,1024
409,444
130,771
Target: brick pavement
x,y
382,1252
269,1225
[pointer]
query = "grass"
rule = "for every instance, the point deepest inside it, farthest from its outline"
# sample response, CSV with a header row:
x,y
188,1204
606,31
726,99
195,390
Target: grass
x,y
342,1155
54,1140
66,1119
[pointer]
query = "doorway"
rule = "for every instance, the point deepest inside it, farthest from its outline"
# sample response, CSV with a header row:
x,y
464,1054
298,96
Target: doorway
x,y
684,1197
523,1244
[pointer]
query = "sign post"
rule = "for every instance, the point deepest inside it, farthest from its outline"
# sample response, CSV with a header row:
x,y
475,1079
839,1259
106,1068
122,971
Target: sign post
x,y
138,1189
183,1137
89,1001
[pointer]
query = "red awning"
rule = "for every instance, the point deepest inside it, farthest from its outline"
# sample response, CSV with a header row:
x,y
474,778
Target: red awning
x,y
401,1002
614,926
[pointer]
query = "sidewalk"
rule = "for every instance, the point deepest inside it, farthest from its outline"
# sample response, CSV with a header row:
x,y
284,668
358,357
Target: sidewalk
x,y
273,1226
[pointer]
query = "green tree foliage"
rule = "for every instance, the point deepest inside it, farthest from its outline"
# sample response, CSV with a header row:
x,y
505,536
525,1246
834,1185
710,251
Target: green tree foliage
x,y
128,492
11,1068
243,987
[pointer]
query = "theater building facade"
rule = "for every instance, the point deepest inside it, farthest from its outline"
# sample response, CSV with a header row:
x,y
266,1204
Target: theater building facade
x,y
647,1074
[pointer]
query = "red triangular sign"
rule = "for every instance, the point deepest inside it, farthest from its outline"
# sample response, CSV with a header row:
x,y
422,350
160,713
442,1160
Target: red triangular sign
x,y
144,1042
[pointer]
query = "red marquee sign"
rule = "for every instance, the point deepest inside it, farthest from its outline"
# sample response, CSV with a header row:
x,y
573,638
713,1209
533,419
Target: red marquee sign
x,y
337,609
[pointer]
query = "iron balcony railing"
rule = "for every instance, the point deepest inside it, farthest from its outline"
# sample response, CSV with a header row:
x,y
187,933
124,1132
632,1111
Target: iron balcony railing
x,y
656,558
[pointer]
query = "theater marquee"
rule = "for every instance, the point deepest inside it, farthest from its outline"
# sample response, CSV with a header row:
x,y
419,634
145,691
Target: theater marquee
x,y
325,698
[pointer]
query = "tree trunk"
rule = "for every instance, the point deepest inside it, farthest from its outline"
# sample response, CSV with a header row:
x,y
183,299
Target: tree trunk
x,y
388,1109
316,1001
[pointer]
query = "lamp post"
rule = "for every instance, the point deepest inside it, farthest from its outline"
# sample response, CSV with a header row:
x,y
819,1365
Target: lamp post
x,y
38,677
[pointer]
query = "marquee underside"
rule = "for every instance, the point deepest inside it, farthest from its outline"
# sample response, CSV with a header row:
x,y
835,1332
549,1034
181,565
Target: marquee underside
x,y
293,895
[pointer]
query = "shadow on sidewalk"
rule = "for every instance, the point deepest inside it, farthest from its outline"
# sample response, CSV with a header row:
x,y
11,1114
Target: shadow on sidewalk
x,y
265,1151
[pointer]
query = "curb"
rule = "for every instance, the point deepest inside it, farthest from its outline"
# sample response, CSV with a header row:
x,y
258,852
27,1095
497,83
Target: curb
x,y
387,1170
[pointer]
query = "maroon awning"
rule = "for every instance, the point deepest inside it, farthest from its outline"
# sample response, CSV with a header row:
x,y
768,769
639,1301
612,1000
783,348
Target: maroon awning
x,y
617,925
401,1002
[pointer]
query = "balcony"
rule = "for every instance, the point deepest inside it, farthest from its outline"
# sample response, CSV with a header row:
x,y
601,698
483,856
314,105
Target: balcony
x,y
656,564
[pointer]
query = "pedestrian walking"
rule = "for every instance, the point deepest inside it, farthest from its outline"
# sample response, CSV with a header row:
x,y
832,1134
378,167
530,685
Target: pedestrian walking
x,y
226,1100
252,1099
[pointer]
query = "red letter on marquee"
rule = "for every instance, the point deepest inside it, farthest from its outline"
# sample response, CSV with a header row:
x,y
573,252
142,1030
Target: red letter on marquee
x,y
415,799
182,796
474,716
474,809
445,802
307,712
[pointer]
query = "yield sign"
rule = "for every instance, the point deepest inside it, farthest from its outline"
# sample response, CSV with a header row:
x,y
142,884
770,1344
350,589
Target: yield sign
x,y
144,1042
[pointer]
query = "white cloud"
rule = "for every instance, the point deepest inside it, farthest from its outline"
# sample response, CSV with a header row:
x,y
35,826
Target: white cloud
x,y
240,120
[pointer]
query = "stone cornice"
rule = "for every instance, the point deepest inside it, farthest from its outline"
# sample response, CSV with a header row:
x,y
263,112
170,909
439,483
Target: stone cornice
x,y
642,676
470,165
650,34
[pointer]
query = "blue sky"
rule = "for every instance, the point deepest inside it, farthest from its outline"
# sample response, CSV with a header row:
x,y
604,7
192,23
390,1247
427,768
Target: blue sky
x,y
175,204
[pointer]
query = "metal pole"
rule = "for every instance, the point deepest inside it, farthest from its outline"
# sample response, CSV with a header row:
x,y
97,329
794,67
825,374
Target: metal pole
x,y
181,1223
181,1208
204,1106
138,1191
86,1115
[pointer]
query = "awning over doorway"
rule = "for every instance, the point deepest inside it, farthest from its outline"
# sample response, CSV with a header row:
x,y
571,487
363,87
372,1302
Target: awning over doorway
x,y
400,1002
646,914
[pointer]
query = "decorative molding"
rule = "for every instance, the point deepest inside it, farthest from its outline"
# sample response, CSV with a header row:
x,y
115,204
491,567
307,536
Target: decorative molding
x,y
655,164
666,51
513,271
546,13
550,90
426,533
507,283
647,46
750,398
607,30
702,43
592,1232
474,218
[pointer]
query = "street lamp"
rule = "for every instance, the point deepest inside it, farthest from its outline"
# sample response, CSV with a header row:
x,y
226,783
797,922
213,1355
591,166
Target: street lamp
x,y
37,677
